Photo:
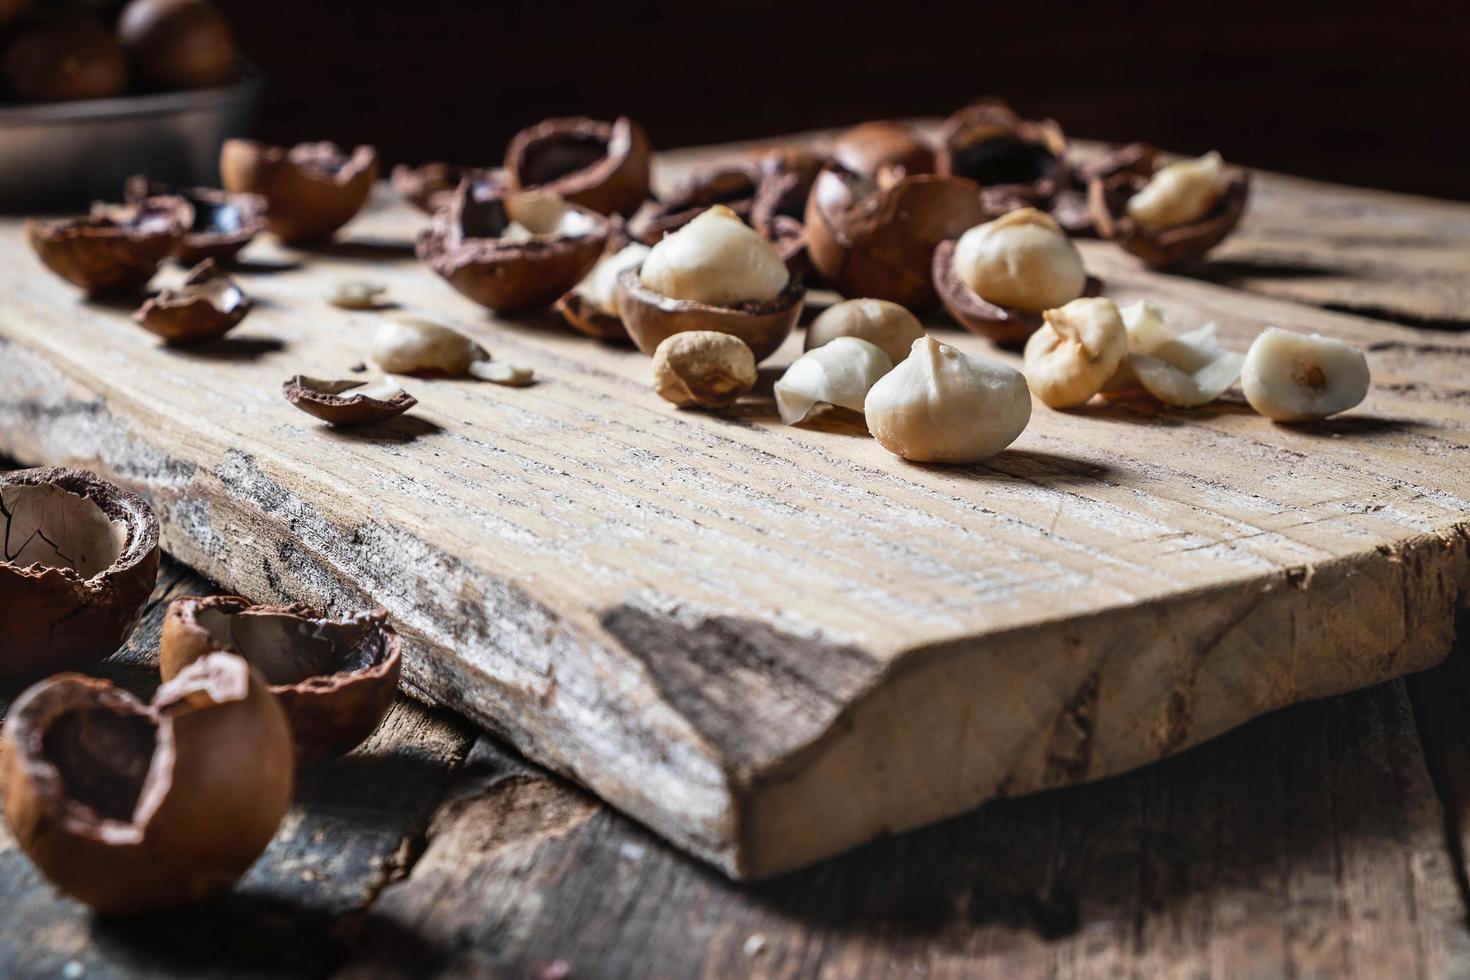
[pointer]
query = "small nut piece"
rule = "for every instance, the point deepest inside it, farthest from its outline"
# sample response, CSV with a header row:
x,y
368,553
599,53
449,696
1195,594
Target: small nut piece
x,y
1021,260
413,345
1180,193
357,294
209,305
715,259
941,405
347,402
1075,352
591,306
840,373
891,327
703,369
1189,370
1293,377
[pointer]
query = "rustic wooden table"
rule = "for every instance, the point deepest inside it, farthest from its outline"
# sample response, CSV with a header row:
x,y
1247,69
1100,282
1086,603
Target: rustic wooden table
x,y
1323,840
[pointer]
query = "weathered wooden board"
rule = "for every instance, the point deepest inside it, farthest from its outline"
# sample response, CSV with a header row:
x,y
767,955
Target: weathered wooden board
x,y
768,643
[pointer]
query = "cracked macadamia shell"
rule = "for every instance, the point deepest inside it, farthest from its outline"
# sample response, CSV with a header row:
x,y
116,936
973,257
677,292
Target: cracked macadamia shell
x,y
513,251
941,405
347,402
1076,351
872,147
1293,377
703,369
114,249
223,223
429,186
602,166
207,306
840,373
336,678
1019,162
1166,215
311,189
79,564
877,239
133,808
891,327
715,259
651,317
734,187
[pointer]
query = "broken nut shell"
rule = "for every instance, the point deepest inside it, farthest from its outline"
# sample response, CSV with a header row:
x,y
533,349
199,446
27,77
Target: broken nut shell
x,y
208,305
871,148
115,248
311,189
429,186
79,564
347,402
223,223
602,166
336,678
1018,162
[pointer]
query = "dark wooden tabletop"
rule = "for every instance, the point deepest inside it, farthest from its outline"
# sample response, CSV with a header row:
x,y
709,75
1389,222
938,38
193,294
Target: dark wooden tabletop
x,y
1325,840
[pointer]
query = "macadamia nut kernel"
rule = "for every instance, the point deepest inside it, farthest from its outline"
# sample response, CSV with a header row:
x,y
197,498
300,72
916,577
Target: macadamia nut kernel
x,y
1022,260
703,369
407,345
1293,377
1189,370
1075,352
716,259
838,373
1180,193
941,405
600,287
891,327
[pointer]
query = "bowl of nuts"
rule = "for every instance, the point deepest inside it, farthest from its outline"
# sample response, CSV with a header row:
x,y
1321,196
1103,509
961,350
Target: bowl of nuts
x,y
85,101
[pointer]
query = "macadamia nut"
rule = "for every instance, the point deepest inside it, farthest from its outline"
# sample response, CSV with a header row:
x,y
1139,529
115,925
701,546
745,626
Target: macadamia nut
x,y
542,215
941,405
1022,260
1293,377
1180,193
600,287
838,373
1188,370
703,368
407,345
891,327
715,259
1075,352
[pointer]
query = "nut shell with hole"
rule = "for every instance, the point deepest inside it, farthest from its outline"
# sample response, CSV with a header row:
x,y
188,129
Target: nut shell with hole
x,y
311,189
208,305
114,248
601,166
222,225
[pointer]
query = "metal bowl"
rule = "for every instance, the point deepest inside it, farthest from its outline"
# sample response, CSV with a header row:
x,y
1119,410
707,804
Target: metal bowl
x,y
64,155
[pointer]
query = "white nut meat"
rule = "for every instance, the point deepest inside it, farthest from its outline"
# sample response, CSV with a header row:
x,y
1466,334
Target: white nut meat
x,y
357,294
703,368
1075,352
715,259
1188,370
941,405
838,373
1293,377
1146,330
1022,260
600,286
410,345
890,326
1180,193
543,215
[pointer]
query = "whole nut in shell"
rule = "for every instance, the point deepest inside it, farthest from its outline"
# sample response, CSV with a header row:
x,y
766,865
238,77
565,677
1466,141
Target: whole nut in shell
x,y
134,808
63,58
79,564
891,327
703,369
1075,352
871,148
311,189
1293,377
941,405
715,259
336,676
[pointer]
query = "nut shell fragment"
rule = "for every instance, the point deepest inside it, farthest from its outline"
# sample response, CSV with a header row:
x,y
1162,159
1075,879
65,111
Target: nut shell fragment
x,y
114,249
429,186
79,564
347,402
223,223
602,166
336,678
1018,162
208,305
1112,187
311,189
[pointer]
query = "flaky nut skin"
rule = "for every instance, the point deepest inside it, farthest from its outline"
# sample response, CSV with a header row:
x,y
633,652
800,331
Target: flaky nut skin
x,y
330,713
616,182
218,782
311,190
178,44
63,58
54,619
872,147
703,369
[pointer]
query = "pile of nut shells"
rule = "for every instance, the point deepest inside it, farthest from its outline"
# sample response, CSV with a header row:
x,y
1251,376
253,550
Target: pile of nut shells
x,y
135,806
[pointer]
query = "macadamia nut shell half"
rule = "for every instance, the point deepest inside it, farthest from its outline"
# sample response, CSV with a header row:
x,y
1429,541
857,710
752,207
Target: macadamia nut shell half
x,y
651,317
340,403
222,225
1018,162
79,564
602,166
114,249
209,305
311,190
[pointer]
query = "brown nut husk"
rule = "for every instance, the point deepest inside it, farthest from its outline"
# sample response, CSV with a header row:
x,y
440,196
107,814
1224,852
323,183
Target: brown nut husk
x,y
429,186
871,148
133,808
1123,175
733,186
79,563
877,239
1002,324
335,678
602,166
588,319
63,58
651,318
115,248
347,402
222,225
468,244
311,190
178,44
210,304
1017,162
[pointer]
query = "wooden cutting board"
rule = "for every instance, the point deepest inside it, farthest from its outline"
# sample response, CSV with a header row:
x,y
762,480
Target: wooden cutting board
x,y
774,643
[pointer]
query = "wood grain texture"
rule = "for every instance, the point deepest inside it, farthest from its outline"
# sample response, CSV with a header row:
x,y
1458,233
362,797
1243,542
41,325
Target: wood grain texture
x,y
770,643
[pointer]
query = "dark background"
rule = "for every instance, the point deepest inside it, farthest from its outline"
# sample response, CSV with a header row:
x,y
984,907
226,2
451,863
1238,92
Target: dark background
x,y
1365,93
